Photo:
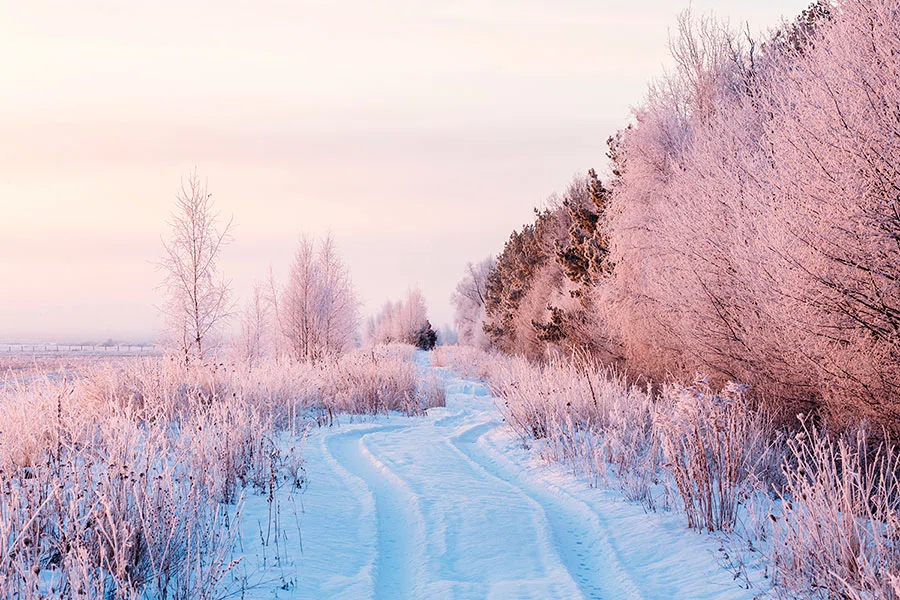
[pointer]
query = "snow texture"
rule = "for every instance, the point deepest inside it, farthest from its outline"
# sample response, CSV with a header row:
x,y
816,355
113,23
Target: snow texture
x,y
451,506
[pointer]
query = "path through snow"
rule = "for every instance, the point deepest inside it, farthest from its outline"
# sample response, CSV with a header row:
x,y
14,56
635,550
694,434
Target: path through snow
x,y
451,506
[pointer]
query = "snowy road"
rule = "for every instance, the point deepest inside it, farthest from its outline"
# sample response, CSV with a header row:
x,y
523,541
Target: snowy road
x,y
450,506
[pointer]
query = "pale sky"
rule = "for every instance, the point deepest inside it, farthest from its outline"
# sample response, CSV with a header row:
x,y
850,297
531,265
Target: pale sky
x,y
419,133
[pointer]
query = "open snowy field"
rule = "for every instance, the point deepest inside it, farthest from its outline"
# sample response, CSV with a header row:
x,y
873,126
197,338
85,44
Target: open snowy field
x,y
450,506
23,361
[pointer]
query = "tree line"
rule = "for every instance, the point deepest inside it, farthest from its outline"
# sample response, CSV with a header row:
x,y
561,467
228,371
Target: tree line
x,y
313,316
749,228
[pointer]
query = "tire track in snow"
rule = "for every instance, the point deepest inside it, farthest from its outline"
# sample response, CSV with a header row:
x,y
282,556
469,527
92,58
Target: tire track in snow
x,y
363,582
579,536
400,526
466,556
551,558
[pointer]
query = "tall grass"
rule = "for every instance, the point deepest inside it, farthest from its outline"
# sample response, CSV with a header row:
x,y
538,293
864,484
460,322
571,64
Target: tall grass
x,y
583,415
836,533
716,448
126,482
103,499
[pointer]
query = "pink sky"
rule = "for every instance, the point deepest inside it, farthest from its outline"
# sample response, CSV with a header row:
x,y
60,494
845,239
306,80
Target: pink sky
x,y
418,133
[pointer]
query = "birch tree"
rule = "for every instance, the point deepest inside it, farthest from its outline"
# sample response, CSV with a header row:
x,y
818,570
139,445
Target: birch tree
x,y
468,301
338,308
197,300
254,323
299,302
405,321
319,311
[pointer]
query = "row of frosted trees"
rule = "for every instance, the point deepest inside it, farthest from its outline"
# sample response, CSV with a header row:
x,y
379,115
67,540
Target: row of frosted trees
x,y
750,229
313,316
405,322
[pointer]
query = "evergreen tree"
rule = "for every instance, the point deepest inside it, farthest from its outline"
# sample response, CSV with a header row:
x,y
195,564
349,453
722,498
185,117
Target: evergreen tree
x,y
426,337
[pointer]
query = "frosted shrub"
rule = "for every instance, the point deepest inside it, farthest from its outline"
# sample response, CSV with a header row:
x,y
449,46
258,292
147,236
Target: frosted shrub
x,y
713,446
125,482
440,356
631,441
586,416
836,529
431,392
535,402
712,443
364,381
503,374
360,383
104,507
397,350
283,391
834,532
242,454
466,360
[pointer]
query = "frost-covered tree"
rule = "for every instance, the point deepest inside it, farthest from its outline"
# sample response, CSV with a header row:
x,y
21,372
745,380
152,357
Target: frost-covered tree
x,y
299,303
197,300
749,230
338,322
255,323
754,229
318,312
583,255
468,300
538,296
426,336
509,282
405,321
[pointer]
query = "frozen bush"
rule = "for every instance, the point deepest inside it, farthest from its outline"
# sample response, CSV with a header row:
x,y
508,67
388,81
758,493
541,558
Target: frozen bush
x,y
836,528
584,415
97,503
430,392
369,384
712,443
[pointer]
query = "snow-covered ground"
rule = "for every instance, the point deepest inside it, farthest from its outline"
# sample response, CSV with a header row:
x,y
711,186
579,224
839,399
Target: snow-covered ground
x,y
451,506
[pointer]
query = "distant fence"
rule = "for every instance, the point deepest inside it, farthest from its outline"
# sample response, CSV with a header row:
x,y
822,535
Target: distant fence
x,y
95,349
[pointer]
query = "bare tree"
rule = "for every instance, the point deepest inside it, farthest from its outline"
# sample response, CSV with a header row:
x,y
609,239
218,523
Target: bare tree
x,y
198,299
277,332
299,301
319,312
254,323
339,307
468,301
405,321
